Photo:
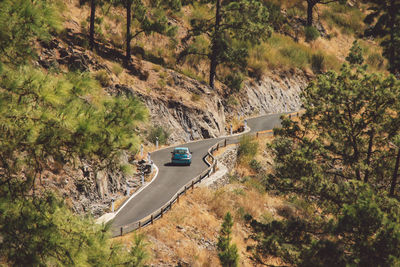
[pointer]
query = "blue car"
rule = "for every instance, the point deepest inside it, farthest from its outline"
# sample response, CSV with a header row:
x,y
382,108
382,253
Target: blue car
x,y
181,155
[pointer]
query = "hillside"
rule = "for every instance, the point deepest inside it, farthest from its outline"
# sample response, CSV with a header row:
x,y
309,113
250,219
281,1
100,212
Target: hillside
x,y
75,112
182,107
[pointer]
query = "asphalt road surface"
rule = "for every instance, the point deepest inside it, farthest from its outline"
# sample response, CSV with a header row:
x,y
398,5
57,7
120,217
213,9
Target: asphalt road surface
x,y
171,178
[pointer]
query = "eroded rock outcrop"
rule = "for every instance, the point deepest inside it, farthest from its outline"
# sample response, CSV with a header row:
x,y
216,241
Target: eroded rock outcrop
x,y
171,106
276,92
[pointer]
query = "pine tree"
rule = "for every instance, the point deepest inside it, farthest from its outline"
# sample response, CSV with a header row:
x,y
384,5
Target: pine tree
x,y
227,252
42,231
385,21
56,119
93,5
46,119
149,19
21,23
239,21
43,116
355,56
312,3
341,159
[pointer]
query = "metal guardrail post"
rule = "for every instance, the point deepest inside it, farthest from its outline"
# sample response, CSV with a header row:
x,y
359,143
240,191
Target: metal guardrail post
x,y
225,143
151,218
139,225
192,185
122,230
217,146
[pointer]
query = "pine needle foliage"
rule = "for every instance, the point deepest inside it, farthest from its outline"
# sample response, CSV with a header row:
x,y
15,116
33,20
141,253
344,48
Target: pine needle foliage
x,y
21,23
343,158
41,231
227,252
44,118
384,19
235,27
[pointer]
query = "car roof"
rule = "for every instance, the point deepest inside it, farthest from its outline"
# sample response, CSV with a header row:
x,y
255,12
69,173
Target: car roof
x,y
179,148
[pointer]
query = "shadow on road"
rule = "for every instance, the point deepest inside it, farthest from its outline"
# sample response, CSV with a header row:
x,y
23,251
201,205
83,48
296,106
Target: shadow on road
x,y
170,164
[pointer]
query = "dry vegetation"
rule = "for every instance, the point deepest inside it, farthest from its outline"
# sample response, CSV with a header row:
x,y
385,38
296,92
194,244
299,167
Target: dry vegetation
x,y
280,52
188,233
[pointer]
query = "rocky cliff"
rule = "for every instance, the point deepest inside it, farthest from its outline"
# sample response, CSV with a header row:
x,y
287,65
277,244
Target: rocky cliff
x,y
185,107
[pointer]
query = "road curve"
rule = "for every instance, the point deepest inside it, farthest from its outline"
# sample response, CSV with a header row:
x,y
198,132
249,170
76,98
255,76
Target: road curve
x,y
171,178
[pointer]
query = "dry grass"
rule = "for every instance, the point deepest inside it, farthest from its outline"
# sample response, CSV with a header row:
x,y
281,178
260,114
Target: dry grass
x,y
222,150
236,124
188,233
283,53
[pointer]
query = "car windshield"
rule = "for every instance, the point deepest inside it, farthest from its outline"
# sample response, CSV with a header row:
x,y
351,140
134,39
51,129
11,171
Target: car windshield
x,y
180,151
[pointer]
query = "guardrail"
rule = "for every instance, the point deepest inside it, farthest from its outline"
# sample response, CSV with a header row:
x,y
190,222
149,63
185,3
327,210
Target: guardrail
x,y
211,162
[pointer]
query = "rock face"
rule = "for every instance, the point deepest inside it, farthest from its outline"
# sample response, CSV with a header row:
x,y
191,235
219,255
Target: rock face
x,y
171,106
278,92
185,123
273,94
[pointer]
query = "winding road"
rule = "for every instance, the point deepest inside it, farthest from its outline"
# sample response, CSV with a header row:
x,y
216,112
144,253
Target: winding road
x,y
171,178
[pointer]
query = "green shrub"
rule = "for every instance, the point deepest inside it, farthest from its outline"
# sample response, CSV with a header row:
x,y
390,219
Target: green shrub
x,y
138,51
348,19
234,81
103,78
318,63
195,97
157,68
298,57
127,169
248,148
255,165
311,33
161,83
232,101
376,60
188,72
276,18
160,132
256,70
84,26
117,69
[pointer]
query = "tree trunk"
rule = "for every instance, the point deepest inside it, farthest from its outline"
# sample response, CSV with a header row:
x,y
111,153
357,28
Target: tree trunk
x,y
395,173
92,17
215,47
392,18
128,32
310,7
